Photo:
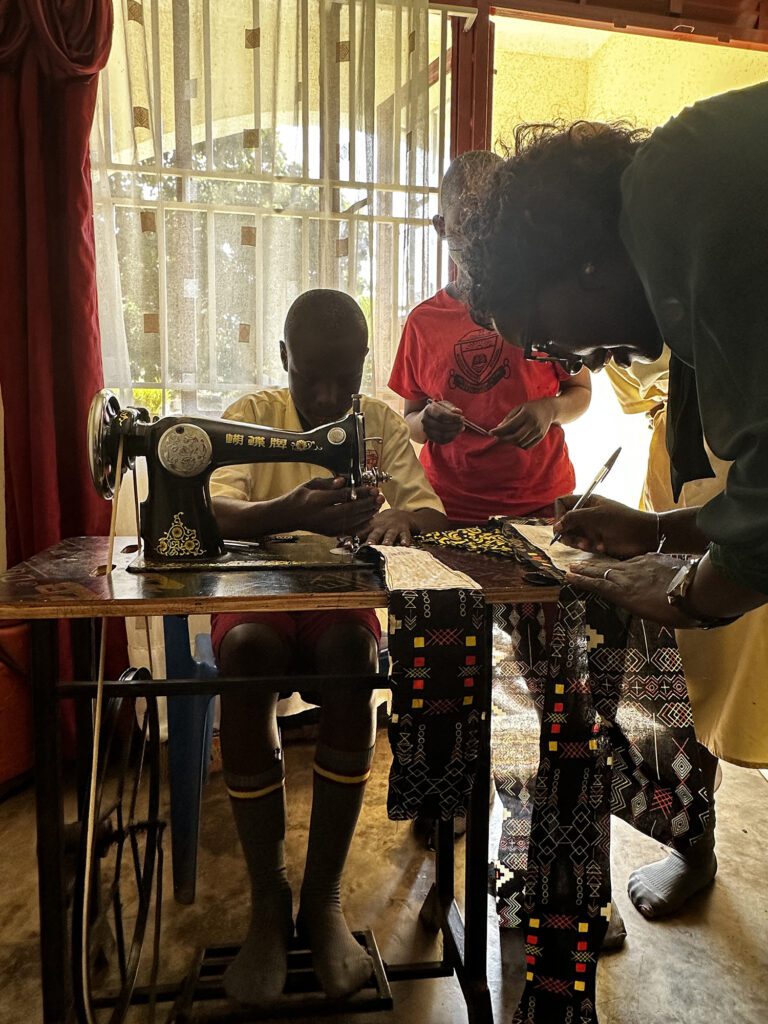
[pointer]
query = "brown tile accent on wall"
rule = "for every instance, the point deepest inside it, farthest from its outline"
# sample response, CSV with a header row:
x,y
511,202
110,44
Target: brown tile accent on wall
x,y
251,138
136,11
148,221
342,51
140,117
252,38
245,334
247,235
151,323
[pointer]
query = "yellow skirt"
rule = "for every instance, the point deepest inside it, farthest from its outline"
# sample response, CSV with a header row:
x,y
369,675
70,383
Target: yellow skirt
x,y
725,668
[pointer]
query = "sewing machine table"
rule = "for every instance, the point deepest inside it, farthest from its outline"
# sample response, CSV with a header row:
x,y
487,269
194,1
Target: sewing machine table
x,y
68,582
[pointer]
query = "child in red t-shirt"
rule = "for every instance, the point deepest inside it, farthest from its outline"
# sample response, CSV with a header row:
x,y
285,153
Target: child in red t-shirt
x,y
452,372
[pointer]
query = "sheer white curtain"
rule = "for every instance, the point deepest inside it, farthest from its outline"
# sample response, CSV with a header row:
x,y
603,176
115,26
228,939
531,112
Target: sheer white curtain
x,y
245,151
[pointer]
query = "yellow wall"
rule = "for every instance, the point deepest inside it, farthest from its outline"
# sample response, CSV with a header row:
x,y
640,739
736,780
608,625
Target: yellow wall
x,y
545,72
535,87
649,80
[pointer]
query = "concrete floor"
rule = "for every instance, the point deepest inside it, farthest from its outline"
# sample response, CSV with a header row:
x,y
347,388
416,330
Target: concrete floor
x,y
708,965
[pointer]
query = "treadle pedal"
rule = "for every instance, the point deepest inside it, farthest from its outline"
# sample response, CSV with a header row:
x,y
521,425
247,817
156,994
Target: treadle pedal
x,y
303,996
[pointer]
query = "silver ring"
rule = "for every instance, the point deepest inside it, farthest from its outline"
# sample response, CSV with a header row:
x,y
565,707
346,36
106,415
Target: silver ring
x,y
607,571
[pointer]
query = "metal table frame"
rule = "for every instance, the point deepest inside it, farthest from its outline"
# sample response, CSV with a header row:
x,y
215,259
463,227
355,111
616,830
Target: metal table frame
x,y
464,938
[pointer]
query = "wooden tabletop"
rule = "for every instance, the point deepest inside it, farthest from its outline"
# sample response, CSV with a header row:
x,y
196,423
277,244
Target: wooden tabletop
x,y
68,581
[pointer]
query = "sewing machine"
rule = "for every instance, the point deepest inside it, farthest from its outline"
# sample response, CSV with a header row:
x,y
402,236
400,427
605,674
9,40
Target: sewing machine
x,y
178,527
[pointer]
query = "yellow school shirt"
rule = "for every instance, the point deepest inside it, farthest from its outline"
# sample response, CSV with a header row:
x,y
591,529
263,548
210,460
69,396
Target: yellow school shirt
x,y
723,667
408,490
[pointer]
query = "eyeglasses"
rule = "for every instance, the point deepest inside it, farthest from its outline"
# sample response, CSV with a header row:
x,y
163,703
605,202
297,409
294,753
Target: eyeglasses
x,y
546,352
541,351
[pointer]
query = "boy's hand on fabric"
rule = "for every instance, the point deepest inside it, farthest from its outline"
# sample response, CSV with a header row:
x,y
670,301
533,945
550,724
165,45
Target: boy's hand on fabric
x,y
604,526
527,424
442,422
324,505
390,527
639,585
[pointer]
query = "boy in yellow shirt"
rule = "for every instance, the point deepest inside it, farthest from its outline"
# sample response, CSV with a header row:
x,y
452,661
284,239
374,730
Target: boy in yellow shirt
x,y
325,345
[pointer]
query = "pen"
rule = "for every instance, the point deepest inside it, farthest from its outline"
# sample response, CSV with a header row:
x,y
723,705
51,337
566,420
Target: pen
x,y
602,473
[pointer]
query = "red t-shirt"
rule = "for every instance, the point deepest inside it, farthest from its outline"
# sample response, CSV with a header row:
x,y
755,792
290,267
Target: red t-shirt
x,y
444,354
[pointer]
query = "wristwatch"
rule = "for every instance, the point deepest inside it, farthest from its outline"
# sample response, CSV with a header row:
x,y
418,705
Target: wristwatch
x,y
677,595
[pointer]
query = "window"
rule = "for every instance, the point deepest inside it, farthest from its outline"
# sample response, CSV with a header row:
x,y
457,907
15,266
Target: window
x,y
244,152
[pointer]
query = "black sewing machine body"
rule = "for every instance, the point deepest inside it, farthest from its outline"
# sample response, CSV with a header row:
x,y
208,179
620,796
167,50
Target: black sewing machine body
x,y
178,527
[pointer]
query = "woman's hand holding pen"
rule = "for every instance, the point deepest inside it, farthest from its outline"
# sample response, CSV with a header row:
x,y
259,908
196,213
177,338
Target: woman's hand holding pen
x,y
605,526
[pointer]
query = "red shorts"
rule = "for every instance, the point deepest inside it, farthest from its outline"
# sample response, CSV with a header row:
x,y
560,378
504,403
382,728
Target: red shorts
x,y
301,630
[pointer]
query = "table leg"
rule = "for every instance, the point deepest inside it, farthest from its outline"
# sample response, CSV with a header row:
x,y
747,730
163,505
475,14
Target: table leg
x,y
49,796
475,983
439,908
84,656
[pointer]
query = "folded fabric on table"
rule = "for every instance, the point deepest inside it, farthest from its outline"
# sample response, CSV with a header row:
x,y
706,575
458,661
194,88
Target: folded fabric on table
x,y
498,538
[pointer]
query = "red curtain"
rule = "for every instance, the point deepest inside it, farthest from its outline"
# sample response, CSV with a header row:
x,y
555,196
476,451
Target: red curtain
x,y
50,355
50,351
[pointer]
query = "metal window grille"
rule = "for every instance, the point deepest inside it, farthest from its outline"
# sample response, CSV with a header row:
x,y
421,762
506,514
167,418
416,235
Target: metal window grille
x,y
213,214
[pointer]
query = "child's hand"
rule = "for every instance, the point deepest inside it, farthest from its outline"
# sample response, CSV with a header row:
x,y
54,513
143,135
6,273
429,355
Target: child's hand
x,y
442,422
528,424
324,505
389,527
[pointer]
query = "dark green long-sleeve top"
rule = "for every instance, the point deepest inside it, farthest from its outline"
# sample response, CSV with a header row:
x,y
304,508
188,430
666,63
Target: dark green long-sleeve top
x,y
695,223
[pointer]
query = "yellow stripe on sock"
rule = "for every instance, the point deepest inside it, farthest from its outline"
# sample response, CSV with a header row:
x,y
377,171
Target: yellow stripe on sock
x,y
253,794
348,780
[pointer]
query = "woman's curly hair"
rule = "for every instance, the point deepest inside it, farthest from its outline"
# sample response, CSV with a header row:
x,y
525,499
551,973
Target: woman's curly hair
x,y
550,207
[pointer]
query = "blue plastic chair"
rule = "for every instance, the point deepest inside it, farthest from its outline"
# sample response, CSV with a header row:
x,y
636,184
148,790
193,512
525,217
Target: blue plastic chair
x,y
190,728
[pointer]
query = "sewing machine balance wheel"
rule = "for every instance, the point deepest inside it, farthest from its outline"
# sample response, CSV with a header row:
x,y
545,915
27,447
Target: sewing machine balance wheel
x,y
126,867
104,422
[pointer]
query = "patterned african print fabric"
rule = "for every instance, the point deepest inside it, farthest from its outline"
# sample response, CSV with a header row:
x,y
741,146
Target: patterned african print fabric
x,y
439,697
615,737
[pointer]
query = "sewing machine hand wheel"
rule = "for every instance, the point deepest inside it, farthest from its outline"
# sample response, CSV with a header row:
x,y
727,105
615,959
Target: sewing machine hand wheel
x,y
106,422
102,418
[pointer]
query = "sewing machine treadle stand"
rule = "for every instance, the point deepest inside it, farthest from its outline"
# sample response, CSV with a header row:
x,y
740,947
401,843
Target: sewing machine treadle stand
x,y
61,583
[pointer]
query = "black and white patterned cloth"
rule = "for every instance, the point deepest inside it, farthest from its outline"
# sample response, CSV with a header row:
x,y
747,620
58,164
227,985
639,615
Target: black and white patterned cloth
x,y
439,684
616,736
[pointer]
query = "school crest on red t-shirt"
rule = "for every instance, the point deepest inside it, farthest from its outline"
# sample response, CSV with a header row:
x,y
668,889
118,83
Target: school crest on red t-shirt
x,y
478,360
